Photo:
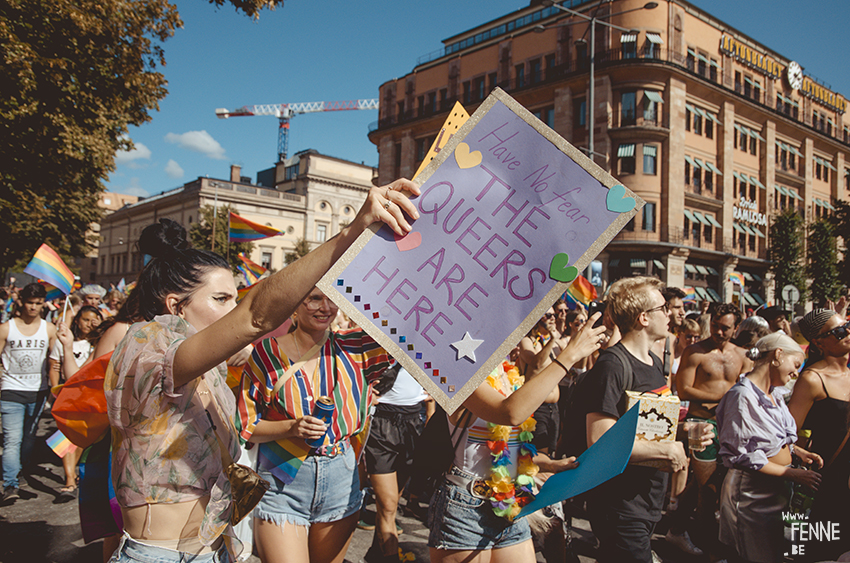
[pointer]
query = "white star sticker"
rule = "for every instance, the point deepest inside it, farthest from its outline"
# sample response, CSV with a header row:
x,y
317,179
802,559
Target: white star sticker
x,y
466,347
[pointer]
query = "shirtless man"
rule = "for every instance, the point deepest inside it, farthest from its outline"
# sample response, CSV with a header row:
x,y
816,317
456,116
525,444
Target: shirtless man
x,y
665,347
707,370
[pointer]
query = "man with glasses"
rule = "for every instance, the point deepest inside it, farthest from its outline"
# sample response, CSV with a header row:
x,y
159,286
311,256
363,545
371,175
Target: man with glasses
x,y
707,370
664,348
624,510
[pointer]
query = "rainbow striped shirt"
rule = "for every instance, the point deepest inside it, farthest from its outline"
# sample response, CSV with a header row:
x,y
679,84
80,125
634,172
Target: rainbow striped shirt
x,y
359,359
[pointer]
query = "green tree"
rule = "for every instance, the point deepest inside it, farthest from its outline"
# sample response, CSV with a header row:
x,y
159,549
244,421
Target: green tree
x,y
840,221
786,251
201,235
821,267
75,74
302,248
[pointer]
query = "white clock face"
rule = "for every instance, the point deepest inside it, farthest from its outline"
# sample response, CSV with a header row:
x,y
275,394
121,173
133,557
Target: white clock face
x,y
794,74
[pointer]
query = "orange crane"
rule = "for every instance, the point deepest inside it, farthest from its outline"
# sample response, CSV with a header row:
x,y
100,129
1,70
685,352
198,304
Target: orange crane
x,y
285,112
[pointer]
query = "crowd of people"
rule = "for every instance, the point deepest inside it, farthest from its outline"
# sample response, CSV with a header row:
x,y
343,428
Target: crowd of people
x,y
759,453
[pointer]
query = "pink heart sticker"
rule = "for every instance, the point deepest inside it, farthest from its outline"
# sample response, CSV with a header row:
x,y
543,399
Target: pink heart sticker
x,y
408,242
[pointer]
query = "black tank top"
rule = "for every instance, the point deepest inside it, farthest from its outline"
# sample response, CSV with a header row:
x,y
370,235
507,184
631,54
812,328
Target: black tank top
x,y
828,421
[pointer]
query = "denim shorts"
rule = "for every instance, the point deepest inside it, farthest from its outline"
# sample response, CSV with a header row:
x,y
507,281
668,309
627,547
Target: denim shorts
x,y
325,489
459,520
132,551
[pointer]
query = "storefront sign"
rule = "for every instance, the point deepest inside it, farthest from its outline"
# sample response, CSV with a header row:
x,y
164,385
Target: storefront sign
x,y
747,210
812,89
750,57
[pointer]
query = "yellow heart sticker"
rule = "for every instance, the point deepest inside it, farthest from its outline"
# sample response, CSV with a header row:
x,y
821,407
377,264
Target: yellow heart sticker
x,y
466,159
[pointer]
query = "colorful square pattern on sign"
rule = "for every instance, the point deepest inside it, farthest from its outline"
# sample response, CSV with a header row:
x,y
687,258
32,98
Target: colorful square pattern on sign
x,y
510,214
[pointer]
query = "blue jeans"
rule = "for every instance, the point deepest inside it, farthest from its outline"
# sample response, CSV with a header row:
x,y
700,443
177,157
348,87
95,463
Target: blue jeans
x,y
132,551
19,423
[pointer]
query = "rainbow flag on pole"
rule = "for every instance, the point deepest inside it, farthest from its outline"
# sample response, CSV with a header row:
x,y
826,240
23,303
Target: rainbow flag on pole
x,y
60,444
581,291
243,230
252,269
46,265
52,292
737,278
690,295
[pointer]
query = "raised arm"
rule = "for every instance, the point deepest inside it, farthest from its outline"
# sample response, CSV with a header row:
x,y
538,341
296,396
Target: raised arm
x,y
488,404
274,300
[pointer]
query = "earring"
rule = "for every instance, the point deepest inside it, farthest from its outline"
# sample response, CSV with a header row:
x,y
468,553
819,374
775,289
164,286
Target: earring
x,y
775,363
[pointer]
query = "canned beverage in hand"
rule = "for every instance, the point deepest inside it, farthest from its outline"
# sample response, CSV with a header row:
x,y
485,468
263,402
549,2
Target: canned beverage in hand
x,y
323,410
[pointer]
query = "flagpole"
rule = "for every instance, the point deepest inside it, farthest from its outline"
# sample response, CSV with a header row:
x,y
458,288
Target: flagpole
x,y
228,238
215,215
65,308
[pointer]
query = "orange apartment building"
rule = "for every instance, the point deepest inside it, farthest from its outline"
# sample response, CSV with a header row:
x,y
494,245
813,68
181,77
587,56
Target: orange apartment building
x,y
716,132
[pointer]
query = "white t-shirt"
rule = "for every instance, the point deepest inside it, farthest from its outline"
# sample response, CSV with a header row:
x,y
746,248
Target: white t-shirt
x,y
25,359
82,351
405,392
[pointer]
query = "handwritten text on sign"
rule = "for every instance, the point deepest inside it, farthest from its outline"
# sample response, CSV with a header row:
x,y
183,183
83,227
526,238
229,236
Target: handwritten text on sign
x,y
503,220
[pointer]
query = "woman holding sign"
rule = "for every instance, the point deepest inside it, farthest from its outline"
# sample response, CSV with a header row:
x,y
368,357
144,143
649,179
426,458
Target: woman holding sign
x,y
169,407
313,506
494,459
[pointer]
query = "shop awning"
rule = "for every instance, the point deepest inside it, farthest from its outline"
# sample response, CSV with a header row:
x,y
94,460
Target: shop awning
x,y
757,277
701,218
690,161
690,269
738,228
714,169
749,299
747,276
712,271
754,133
713,117
654,38
736,175
702,57
795,151
828,205
650,150
690,216
637,263
702,270
713,221
749,229
817,202
653,96
659,264
613,262
795,195
758,298
758,232
700,164
783,190
755,181
713,294
625,151
628,38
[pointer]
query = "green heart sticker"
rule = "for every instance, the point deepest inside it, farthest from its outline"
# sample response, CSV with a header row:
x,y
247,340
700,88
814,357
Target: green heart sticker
x,y
558,271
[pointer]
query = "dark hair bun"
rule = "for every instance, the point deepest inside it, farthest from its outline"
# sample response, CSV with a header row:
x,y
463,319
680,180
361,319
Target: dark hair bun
x,y
163,239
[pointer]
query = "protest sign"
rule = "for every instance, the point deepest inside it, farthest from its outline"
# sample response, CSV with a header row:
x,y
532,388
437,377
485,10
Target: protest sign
x,y
510,214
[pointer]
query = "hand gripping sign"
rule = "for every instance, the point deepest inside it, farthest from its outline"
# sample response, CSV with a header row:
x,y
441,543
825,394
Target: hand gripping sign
x,y
510,214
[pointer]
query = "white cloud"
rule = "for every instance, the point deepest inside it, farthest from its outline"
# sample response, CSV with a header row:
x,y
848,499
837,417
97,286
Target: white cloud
x,y
139,151
198,141
173,169
133,188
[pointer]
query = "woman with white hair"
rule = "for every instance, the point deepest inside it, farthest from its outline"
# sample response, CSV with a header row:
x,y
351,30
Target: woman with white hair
x,y
757,435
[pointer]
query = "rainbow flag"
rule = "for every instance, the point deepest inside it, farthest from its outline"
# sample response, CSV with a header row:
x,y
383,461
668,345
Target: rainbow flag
x,y
129,287
690,295
255,270
47,265
241,293
580,292
122,285
737,278
61,445
243,230
249,278
52,292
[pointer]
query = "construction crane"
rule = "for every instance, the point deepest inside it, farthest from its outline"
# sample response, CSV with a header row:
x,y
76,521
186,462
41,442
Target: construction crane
x,y
285,112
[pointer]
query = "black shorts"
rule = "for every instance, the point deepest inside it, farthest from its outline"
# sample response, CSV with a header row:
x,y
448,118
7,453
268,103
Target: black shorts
x,y
392,439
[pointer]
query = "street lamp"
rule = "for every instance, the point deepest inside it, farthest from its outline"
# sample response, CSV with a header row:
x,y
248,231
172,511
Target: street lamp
x,y
593,21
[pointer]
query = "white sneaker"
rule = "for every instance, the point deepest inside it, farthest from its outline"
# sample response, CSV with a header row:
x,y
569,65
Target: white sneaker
x,y
655,558
683,542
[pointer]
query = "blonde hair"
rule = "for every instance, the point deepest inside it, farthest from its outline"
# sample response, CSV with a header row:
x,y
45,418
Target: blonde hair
x,y
689,325
775,341
628,298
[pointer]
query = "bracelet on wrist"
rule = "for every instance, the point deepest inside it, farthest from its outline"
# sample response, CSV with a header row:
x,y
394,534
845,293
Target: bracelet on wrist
x,y
565,368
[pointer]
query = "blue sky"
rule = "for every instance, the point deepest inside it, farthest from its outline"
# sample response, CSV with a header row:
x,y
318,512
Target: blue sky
x,y
328,50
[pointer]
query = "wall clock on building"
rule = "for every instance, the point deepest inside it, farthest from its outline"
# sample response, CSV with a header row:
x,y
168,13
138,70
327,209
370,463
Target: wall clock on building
x,y
794,75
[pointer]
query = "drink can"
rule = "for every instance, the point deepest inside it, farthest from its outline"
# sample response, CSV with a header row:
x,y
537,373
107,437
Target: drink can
x,y
323,410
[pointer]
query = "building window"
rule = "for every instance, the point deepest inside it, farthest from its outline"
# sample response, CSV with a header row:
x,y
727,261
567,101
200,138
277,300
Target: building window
x,y
432,102
697,124
709,128
397,160
687,173
520,76
695,231
423,145
493,80
688,118
321,232
712,70
626,156
467,92
817,170
708,181
628,102
847,179
536,67
738,82
580,112
266,259
649,217
690,60
702,64
546,115
630,226
650,157
290,172
478,88
628,42
742,141
753,149
697,183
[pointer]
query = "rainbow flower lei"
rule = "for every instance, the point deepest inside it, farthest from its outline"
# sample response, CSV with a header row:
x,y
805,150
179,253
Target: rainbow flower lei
x,y
509,496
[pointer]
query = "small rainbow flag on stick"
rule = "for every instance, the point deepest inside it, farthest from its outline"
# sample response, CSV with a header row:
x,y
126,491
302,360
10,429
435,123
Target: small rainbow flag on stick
x,y
690,295
46,265
580,292
253,271
737,279
241,293
243,230
52,292
60,445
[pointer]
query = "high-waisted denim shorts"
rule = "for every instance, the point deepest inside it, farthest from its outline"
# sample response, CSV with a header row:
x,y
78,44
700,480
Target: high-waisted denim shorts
x,y
325,489
132,551
460,520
